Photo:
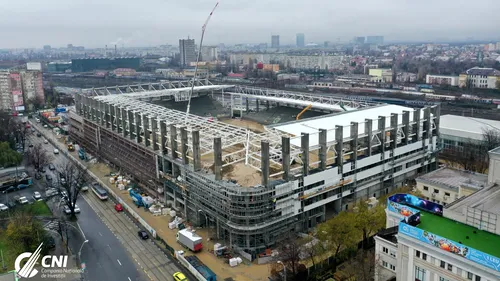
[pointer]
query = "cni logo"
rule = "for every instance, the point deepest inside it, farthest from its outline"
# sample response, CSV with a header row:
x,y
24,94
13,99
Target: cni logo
x,y
27,271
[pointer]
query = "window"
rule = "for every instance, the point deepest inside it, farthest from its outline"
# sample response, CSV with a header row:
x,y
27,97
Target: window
x,y
419,274
447,194
385,250
384,263
443,279
417,254
424,256
478,278
392,267
470,275
393,254
450,267
426,188
443,265
436,190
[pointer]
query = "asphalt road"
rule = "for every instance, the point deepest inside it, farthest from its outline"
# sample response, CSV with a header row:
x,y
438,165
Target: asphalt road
x,y
114,250
104,256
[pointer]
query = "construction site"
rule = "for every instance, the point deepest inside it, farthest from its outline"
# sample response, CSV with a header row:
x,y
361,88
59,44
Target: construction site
x,y
254,164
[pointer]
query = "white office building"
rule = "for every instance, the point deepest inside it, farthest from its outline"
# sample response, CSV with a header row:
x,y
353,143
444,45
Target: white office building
x,y
458,242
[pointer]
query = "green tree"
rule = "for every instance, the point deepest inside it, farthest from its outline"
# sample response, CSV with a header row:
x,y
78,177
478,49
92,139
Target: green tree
x,y
339,232
9,157
24,231
369,220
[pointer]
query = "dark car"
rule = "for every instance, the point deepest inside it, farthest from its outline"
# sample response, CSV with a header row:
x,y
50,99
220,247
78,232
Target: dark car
x,y
52,167
49,242
11,204
39,135
143,234
38,176
10,189
48,177
31,145
42,169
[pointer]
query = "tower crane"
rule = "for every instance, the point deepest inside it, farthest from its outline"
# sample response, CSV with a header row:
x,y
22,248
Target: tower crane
x,y
203,28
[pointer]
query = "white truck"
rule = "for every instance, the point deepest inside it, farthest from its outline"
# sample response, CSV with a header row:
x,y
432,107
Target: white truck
x,y
190,240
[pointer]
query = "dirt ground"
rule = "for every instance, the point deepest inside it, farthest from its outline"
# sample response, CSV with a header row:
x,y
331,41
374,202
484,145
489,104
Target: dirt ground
x,y
244,272
244,123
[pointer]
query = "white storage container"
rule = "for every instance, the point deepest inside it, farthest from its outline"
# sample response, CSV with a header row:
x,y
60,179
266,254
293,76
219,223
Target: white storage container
x,y
233,262
172,213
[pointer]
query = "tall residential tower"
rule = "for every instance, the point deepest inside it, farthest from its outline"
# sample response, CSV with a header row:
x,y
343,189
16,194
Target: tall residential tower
x,y
188,51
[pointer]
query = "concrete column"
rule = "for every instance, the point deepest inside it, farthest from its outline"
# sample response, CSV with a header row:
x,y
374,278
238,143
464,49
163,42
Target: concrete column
x,y
267,105
102,113
93,105
173,142
416,126
154,129
406,128
285,155
124,122
394,131
78,104
436,111
218,158
163,137
257,105
145,126
184,145
264,155
114,120
427,123
196,150
108,115
247,103
381,129
323,153
369,132
138,128
354,141
339,147
304,142
131,127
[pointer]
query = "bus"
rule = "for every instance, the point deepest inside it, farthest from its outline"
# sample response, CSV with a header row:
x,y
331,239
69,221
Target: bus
x,y
99,191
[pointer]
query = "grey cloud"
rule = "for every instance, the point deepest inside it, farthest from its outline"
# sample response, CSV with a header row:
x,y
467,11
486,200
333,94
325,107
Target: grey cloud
x,y
33,23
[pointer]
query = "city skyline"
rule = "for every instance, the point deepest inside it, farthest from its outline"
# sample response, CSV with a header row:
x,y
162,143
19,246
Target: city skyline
x,y
133,24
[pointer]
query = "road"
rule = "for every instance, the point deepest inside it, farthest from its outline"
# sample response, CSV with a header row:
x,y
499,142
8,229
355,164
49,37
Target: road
x,y
114,249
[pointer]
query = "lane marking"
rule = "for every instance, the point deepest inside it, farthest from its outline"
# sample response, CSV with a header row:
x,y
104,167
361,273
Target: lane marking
x,y
100,233
119,262
129,279
109,247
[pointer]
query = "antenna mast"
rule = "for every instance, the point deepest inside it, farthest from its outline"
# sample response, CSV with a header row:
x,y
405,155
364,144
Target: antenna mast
x,y
203,28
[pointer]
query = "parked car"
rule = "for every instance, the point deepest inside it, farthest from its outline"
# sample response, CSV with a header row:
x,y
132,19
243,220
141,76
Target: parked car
x,y
39,135
11,204
37,196
64,194
143,234
178,276
31,145
56,151
9,189
22,186
52,167
67,210
3,207
21,200
51,192
84,188
119,207
45,141
49,242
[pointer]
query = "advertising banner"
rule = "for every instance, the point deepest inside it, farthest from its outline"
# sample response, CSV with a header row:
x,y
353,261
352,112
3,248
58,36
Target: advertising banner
x,y
419,203
400,209
450,246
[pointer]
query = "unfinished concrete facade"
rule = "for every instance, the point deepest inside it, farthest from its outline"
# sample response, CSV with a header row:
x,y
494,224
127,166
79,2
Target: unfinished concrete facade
x,y
302,179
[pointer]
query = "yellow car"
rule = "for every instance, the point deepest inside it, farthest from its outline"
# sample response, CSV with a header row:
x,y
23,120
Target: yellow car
x,y
178,276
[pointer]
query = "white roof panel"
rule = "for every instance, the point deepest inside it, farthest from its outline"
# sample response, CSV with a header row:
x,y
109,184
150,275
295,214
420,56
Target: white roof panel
x,y
313,125
466,127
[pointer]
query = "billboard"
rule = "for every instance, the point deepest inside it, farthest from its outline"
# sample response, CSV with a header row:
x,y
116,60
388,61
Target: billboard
x,y
34,66
450,246
414,201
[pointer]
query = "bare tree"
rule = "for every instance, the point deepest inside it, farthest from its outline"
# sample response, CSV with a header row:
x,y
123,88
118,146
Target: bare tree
x,y
290,251
71,179
38,156
363,266
491,140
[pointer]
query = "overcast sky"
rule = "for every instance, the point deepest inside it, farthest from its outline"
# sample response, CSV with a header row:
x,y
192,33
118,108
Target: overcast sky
x,y
95,23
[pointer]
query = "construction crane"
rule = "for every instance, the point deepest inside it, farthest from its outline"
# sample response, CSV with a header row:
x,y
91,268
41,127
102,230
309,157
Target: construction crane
x,y
303,111
203,28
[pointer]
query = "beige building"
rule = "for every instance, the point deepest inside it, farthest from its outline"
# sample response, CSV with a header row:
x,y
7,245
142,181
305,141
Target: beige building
x,y
446,185
478,77
5,93
381,75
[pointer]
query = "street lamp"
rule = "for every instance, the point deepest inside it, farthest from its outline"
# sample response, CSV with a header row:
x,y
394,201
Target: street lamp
x,y
80,251
284,267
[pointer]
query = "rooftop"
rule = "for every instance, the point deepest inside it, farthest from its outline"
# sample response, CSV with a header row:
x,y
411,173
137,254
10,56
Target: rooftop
x,y
328,122
486,200
483,71
483,241
453,178
466,127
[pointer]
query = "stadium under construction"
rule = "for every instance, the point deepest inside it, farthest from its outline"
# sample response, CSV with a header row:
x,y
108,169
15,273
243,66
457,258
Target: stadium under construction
x,y
252,187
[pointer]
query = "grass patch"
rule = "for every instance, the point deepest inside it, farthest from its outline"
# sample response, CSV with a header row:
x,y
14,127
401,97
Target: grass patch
x,y
38,208
9,252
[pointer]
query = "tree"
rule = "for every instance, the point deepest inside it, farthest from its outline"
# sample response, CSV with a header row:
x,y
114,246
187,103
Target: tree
x,y
71,179
363,266
9,157
24,231
38,156
289,252
369,220
491,140
339,232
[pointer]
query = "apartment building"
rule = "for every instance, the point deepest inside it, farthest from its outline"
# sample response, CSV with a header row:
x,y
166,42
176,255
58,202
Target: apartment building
x,y
187,50
478,77
5,93
381,75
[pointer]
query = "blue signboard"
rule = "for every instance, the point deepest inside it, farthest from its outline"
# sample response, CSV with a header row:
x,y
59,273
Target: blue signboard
x,y
400,209
450,246
419,203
